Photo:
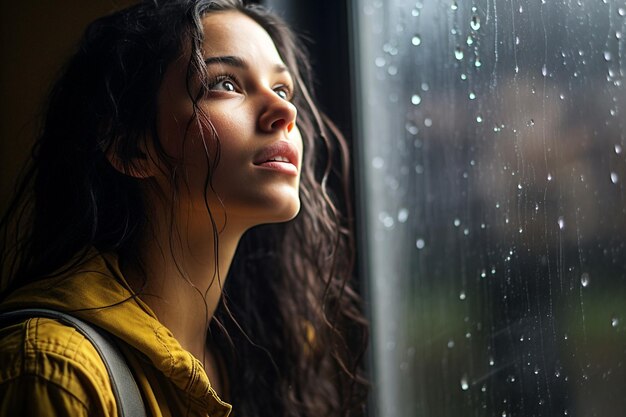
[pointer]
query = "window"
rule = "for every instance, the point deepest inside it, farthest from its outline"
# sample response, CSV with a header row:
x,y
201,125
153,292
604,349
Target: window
x,y
492,170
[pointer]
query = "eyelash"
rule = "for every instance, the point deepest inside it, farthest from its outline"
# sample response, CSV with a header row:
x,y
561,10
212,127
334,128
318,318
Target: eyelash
x,y
223,77
235,81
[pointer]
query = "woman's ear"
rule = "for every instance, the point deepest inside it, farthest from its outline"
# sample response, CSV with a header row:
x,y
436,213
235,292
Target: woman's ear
x,y
139,166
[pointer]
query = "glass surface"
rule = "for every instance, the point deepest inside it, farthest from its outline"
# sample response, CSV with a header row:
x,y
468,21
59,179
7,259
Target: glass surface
x,y
493,165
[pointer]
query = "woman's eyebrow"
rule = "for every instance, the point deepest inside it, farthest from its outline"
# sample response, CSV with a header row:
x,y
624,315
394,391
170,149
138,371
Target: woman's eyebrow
x,y
235,61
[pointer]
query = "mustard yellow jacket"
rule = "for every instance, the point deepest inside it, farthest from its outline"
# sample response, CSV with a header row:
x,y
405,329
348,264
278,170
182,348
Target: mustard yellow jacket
x,y
49,369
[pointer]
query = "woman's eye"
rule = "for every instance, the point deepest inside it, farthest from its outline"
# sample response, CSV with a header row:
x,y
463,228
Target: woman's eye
x,y
283,92
223,84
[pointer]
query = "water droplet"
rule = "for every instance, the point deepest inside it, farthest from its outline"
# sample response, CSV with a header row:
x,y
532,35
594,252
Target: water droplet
x,y
483,274
614,177
403,215
470,40
491,361
450,344
618,35
562,96
378,162
458,53
516,69
549,177
416,40
454,5
457,222
419,243
477,62
479,119
544,71
412,129
428,122
557,373
386,219
531,122
464,383
607,56
416,99
621,11
519,186
415,12
493,270
463,77
475,22
561,222
392,70
472,96
584,281
504,412
425,87
618,149
536,370
614,322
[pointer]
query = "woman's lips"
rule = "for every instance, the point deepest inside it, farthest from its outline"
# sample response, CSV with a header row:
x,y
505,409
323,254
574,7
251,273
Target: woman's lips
x,y
280,156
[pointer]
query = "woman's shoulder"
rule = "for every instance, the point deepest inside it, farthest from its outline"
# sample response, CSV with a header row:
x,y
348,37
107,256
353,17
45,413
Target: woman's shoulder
x,y
54,363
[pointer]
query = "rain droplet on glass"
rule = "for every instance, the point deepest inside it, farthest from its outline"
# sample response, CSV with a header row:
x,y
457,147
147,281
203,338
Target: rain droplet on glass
x,y
475,22
380,62
614,322
477,63
458,53
549,177
544,71
403,215
584,279
618,149
416,40
472,96
462,295
428,122
416,99
420,243
454,5
450,344
464,383
479,119
457,222
607,56
469,41
614,177
621,11
561,222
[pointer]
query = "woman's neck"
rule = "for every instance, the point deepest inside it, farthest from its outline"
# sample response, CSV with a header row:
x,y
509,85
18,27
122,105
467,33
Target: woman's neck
x,y
180,274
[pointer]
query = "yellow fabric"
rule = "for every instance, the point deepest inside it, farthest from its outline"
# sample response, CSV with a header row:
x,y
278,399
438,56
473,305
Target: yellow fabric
x,y
49,369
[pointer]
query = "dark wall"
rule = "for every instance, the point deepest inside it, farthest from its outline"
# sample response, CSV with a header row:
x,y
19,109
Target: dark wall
x,y
35,39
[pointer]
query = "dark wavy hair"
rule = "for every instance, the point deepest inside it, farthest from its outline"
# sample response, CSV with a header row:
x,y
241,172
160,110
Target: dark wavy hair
x,y
293,336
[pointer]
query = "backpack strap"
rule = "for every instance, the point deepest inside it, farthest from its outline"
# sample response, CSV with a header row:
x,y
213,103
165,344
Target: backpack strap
x,y
123,384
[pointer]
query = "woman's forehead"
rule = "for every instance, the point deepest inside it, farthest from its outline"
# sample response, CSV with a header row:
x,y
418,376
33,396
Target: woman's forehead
x,y
232,33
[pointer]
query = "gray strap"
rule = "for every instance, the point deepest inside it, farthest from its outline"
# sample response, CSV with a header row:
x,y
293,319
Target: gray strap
x,y
123,384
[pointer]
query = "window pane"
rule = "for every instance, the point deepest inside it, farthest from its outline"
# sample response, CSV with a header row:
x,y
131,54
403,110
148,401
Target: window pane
x,y
493,156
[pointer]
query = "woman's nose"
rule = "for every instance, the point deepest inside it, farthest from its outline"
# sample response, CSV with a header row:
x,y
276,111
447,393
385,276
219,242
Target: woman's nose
x,y
278,114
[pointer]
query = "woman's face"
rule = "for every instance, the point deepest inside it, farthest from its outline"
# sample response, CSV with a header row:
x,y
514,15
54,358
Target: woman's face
x,y
248,103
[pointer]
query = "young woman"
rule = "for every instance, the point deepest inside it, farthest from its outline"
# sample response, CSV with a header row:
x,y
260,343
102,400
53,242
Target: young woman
x,y
177,198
